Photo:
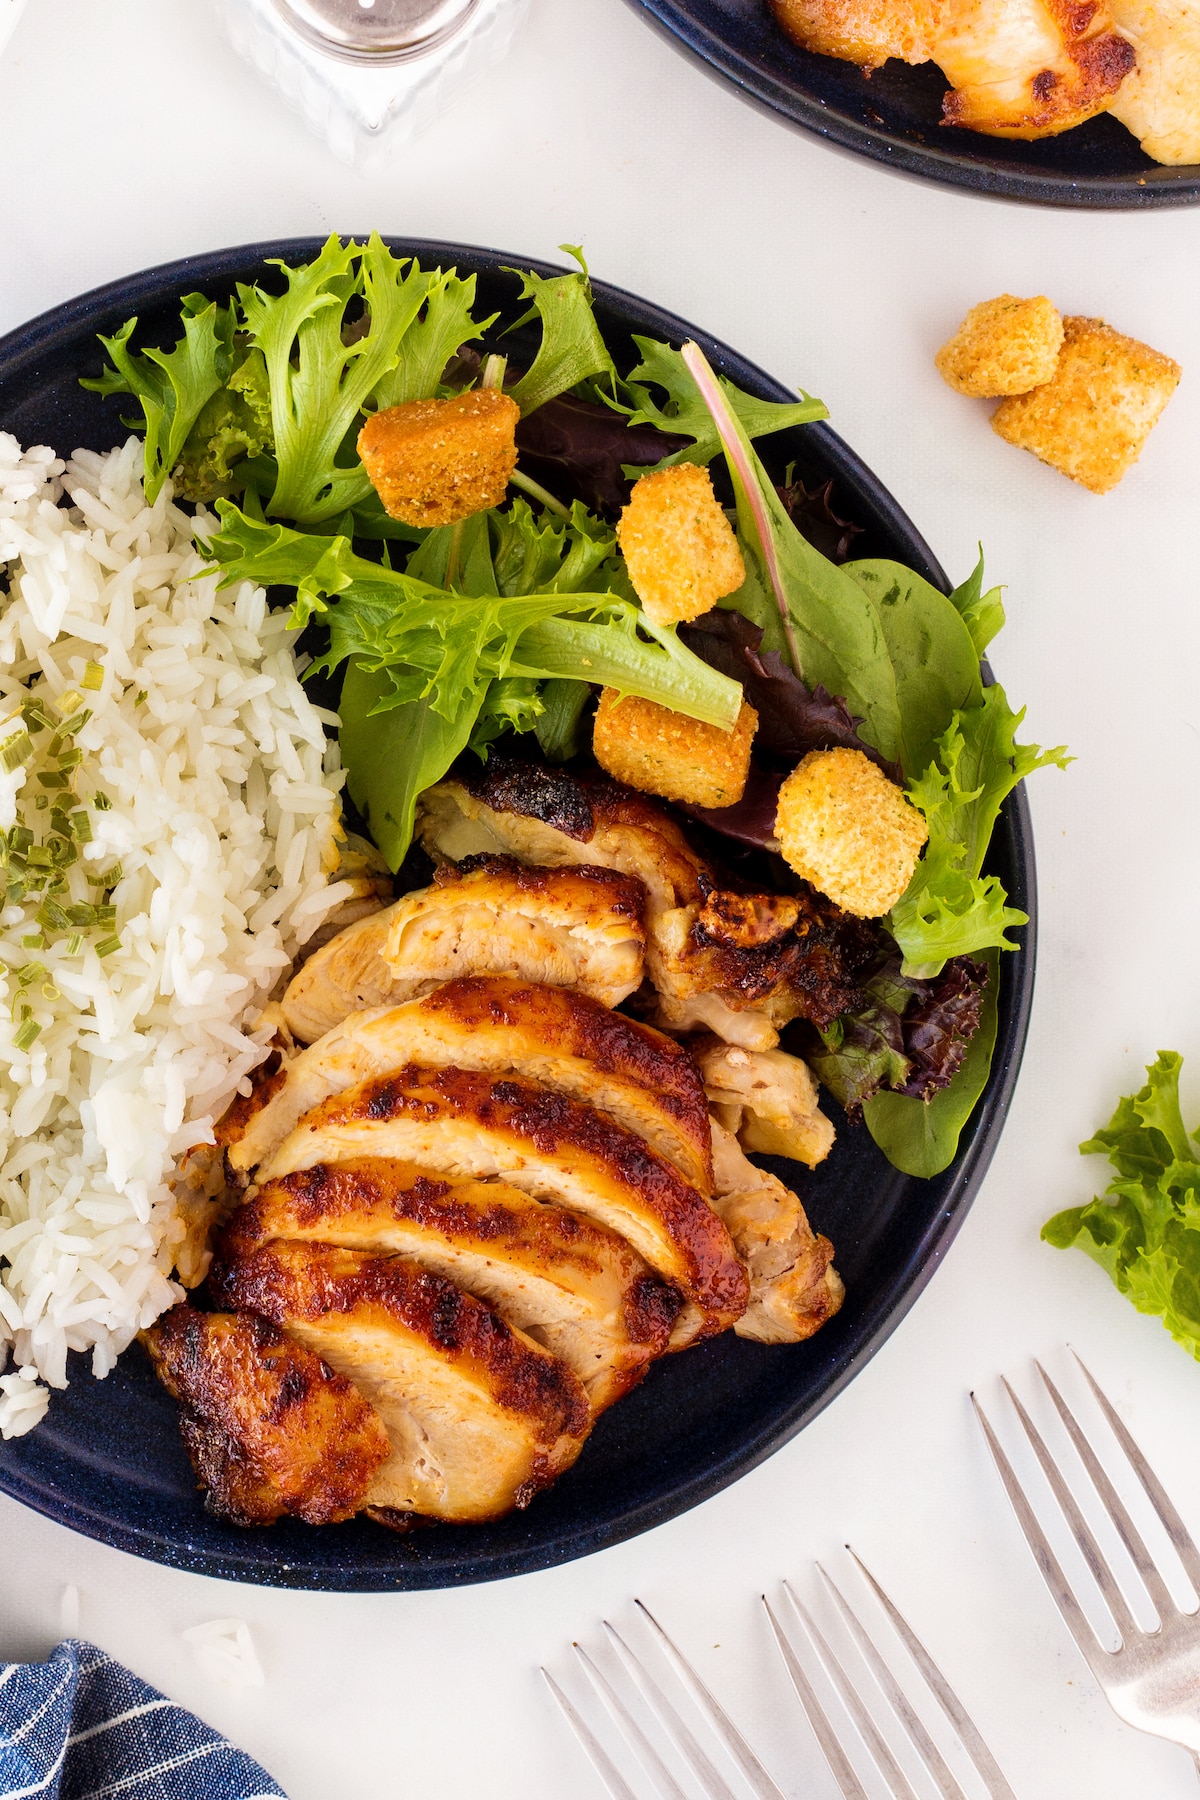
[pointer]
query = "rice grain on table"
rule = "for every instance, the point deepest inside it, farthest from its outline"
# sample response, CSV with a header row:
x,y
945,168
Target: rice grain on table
x,y
189,828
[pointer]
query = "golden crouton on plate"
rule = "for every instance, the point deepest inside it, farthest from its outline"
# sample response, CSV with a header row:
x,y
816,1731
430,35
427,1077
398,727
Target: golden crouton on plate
x,y
844,827
1003,346
434,462
658,751
865,32
1092,418
678,545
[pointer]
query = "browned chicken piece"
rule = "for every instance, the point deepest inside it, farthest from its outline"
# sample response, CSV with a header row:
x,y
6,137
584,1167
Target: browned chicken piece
x,y
578,1290
480,1418
866,32
562,1040
1029,68
270,1429
579,928
433,462
1160,101
767,1099
794,1287
463,1124
740,965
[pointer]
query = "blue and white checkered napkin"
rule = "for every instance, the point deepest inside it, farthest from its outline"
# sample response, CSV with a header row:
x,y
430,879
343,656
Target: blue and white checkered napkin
x,y
81,1727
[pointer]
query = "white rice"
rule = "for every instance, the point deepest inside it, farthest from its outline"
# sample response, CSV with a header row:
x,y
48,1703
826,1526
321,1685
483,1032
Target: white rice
x,y
225,821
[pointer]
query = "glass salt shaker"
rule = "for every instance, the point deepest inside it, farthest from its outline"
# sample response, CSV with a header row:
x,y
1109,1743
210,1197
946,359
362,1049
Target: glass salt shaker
x,y
368,75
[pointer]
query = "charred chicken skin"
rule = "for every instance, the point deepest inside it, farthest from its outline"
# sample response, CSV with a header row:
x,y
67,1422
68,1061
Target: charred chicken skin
x,y
478,1416
270,1428
566,1042
578,1290
460,1123
740,965
579,928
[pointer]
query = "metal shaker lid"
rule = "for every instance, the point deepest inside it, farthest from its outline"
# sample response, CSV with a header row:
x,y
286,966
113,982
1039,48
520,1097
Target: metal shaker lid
x,y
375,31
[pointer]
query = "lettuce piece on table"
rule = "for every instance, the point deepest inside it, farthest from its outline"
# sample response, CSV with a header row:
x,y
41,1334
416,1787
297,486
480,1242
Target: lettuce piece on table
x,y
1145,1228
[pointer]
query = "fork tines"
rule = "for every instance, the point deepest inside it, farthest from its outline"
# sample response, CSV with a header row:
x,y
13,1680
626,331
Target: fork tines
x,y
861,1700
1099,1657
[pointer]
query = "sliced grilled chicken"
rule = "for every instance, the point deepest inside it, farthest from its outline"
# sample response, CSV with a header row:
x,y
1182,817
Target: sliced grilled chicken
x,y
576,1289
460,1123
269,1428
767,1099
866,32
794,1287
741,965
1029,68
564,1041
1160,100
578,928
479,1417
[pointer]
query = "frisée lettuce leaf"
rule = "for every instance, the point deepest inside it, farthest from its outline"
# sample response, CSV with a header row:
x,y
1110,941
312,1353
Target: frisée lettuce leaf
x,y
1145,1228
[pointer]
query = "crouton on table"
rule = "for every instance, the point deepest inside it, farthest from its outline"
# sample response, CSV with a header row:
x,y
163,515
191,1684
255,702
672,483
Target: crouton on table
x,y
1003,346
434,462
678,545
1092,418
658,751
844,827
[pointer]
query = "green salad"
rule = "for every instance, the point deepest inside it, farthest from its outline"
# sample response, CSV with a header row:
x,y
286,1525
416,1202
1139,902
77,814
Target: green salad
x,y
451,640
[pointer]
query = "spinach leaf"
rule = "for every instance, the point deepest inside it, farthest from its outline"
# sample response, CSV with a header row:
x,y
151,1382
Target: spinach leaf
x,y
982,614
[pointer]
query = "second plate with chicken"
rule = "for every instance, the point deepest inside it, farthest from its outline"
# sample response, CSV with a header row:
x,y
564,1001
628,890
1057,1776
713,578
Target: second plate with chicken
x,y
486,1249
895,114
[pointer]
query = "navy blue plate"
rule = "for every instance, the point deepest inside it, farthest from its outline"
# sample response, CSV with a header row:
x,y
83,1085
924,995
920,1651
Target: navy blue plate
x,y
894,116
108,1459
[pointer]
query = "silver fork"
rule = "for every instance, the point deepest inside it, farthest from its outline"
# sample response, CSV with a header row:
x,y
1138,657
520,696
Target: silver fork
x,y
1152,1680
757,1778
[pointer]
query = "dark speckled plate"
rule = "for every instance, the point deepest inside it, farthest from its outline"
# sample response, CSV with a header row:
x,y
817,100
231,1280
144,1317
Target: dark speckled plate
x,y
108,1460
894,116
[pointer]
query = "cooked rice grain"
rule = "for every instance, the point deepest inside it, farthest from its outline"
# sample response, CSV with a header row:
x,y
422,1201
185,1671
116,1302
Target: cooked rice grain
x,y
208,790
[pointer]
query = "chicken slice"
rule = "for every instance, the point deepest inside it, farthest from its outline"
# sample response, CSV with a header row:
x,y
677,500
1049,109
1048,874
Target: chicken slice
x,y
480,1418
578,928
743,964
564,1041
767,1099
1029,68
269,1428
578,1290
460,1123
1160,100
794,1288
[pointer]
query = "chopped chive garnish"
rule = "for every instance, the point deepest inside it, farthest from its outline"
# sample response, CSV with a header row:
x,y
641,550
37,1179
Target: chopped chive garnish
x,y
82,914
42,802
107,945
20,838
53,778
81,827
93,677
69,703
75,723
106,915
74,944
142,695
26,1034
70,759
59,822
102,803
15,751
34,971
34,717
50,992
51,917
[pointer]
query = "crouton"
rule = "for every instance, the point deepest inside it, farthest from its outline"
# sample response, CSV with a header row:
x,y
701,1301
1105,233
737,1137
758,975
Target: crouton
x,y
434,462
658,751
1003,346
848,830
1092,418
678,545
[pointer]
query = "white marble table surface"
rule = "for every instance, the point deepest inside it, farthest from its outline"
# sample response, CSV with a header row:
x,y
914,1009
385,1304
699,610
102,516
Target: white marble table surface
x,y
130,134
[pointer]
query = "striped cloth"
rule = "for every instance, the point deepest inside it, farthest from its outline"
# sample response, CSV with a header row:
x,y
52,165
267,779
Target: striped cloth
x,y
82,1727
